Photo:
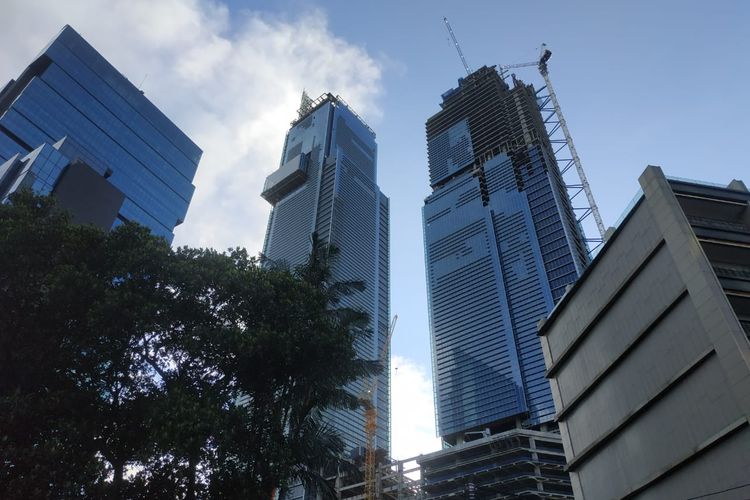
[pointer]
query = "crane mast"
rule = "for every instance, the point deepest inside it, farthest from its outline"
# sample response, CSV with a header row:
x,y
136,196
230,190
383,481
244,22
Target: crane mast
x,y
371,418
458,47
541,64
546,53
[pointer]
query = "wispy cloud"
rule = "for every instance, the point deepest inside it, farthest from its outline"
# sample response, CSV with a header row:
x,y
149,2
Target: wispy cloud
x,y
233,84
231,81
413,413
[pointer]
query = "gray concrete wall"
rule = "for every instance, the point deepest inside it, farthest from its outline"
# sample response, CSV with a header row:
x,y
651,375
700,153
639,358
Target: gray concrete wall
x,y
649,366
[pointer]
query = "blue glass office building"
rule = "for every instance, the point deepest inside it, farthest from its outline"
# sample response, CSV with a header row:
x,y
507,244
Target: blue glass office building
x,y
327,183
70,106
501,245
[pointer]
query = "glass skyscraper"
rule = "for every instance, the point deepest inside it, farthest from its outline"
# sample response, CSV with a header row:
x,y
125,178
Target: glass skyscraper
x,y
327,183
71,107
501,245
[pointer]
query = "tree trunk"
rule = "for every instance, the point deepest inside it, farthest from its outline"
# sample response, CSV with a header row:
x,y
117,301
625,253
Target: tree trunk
x,y
192,465
119,472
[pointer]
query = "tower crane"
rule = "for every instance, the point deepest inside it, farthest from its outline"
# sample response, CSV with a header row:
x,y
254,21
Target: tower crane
x,y
371,416
541,64
458,47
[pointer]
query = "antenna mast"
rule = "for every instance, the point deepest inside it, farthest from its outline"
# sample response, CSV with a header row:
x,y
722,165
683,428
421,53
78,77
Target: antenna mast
x,y
458,47
306,104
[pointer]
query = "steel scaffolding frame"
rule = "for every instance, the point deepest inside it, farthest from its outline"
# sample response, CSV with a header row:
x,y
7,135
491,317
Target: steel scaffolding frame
x,y
519,463
565,154
567,158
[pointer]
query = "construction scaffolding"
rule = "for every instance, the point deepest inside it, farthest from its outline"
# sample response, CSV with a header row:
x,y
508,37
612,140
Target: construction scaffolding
x,y
393,480
505,120
520,463
587,211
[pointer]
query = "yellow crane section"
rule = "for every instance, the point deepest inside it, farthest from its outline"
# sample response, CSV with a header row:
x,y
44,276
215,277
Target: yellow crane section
x,y
371,417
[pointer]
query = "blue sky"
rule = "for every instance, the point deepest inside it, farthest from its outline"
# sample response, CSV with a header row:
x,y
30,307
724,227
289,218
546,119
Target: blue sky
x,y
639,82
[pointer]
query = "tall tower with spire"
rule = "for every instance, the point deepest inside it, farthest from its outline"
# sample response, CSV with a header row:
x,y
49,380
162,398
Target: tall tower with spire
x,y
326,183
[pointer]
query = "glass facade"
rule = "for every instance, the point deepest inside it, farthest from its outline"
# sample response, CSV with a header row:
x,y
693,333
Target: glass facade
x,y
326,183
501,245
70,91
38,170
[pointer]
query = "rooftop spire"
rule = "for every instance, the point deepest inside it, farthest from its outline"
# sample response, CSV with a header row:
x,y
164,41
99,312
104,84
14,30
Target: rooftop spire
x,y
305,105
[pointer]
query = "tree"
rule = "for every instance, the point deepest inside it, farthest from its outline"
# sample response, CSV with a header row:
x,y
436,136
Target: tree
x,y
292,352
122,362
45,289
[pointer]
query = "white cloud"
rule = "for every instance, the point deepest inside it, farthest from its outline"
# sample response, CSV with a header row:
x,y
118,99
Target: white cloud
x,y
412,410
231,81
233,85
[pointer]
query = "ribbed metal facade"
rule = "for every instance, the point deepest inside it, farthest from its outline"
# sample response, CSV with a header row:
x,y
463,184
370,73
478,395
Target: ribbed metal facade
x,y
501,245
70,91
326,183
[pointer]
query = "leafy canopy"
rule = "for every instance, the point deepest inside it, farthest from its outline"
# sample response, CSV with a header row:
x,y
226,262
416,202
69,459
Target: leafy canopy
x,y
132,370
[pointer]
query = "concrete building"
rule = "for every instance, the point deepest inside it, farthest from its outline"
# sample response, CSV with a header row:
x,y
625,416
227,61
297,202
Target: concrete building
x,y
326,183
520,464
73,126
648,353
517,464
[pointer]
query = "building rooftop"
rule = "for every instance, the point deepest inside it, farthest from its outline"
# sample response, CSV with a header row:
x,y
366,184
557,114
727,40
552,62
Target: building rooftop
x,y
310,107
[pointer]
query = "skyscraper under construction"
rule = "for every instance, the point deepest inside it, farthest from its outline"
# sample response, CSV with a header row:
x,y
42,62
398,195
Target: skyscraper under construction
x,y
501,244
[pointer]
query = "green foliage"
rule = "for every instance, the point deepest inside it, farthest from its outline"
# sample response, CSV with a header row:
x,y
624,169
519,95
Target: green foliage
x,y
122,362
